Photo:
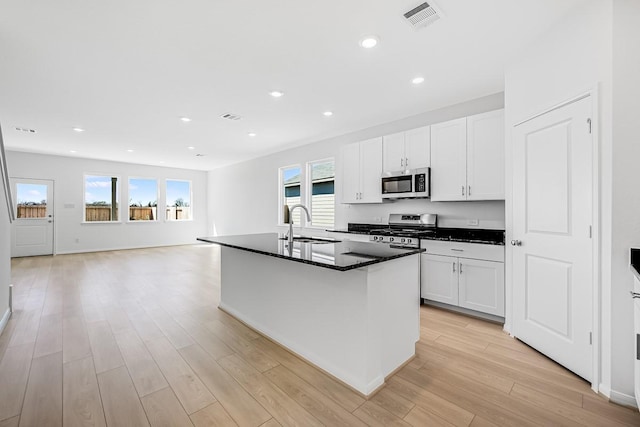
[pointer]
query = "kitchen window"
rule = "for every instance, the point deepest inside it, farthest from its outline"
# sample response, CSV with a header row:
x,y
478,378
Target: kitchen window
x,y
101,194
290,180
322,192
178,200
143,199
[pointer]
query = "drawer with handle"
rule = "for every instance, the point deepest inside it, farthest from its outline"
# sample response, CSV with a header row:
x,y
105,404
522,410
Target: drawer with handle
x,y
464,250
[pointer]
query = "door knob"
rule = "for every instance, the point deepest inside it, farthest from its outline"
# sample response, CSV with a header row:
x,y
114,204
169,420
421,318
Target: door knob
x,y
516,243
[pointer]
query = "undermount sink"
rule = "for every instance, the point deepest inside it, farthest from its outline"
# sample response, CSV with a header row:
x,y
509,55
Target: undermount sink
x,y
305,239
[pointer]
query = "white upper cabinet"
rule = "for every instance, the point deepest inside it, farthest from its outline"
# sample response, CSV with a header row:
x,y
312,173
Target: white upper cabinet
x,y
467,158
361,167
417,147
485,156
449,160
406,150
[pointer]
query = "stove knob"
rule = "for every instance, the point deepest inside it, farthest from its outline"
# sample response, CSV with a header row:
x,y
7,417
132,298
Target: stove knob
x,y
391,239
410,240
375,238
402,240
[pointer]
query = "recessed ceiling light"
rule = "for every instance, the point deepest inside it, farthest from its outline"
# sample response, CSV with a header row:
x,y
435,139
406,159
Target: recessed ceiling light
x,y
251,134
276,93
191,148
185,119
130,151
161,161
417,80
78,129
369,42
328,113
72,151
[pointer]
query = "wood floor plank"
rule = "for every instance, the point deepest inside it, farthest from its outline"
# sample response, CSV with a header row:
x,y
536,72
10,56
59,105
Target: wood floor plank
x,y
344,396
120,400
393,402
311,399
82,406
373,415
43,400
208,341
598,405
171,329
143,369
241,406
14,375
271,423
26,330
106,354
419,417
257,358
428,399
212,415
49,338
551,404
189,389
489,366
164,410
75,340
10,422
283,408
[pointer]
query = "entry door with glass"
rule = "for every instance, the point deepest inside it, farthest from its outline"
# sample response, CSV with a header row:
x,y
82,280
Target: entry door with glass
x,y
32,231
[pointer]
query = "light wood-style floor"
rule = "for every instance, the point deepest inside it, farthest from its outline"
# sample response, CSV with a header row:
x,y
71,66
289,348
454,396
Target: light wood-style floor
x,y
134,338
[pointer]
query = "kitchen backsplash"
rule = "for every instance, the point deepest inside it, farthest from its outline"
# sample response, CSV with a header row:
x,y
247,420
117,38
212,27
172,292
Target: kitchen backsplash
x,y
485,214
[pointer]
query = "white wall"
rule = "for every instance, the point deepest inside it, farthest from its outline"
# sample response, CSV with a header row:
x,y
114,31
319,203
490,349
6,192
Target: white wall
x,y
573,57
68,176
625,210
5,254
243,197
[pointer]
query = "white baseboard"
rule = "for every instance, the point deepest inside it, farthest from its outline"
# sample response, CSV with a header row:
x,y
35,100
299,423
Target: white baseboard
x,y
126,248
5,319
623,399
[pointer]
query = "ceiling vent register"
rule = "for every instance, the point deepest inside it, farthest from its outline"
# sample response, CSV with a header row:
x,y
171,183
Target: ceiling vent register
x,y
423,15
230,116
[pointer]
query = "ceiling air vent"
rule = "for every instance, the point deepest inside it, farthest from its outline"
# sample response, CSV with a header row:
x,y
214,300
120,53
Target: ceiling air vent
x,y
230,116
422,15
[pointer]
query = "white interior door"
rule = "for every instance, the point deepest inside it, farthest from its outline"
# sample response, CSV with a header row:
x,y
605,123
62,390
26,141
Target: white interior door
x,y
552,254
32,231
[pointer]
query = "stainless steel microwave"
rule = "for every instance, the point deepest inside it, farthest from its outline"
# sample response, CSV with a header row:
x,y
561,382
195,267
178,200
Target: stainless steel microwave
x,y
412,183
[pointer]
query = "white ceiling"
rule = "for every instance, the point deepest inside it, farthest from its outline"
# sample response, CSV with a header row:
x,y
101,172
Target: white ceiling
x,y
127,70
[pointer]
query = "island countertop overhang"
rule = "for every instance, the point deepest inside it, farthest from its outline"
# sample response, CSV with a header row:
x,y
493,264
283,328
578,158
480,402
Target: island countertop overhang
x,y
340,255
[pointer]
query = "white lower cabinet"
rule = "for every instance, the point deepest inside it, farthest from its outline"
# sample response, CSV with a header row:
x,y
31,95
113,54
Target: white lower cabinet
x,y
449,277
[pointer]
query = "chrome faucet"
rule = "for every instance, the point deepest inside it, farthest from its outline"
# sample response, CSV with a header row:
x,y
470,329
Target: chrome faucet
x,y
290,237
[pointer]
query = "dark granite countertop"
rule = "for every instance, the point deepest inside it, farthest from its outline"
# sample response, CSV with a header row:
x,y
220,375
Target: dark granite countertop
x,y
336,255
635,262
468,235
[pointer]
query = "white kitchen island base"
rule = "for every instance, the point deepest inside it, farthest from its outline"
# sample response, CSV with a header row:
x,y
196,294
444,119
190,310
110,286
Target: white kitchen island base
x,y
358,325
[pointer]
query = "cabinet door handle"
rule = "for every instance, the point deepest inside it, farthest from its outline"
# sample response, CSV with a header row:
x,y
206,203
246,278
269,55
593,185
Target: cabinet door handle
x,y
634,295
401,162
469,191
454,266
460,268
463,190
406,161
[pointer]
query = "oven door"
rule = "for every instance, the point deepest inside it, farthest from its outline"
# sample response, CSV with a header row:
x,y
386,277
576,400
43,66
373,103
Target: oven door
x,y
398,185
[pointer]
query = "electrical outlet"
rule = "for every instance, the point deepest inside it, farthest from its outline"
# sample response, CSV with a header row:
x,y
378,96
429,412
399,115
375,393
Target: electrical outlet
x,y
377,219
77,240
473,222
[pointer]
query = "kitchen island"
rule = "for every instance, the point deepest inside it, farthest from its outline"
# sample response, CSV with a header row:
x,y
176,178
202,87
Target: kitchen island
x,y
350,308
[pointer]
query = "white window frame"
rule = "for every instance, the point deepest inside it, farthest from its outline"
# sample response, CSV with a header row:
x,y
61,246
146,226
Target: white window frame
x,y
309,191
143,221
190,200
84,197
281,195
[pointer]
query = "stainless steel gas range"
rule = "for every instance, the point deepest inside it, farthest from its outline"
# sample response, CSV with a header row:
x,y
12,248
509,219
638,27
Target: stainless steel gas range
x,y
405,230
